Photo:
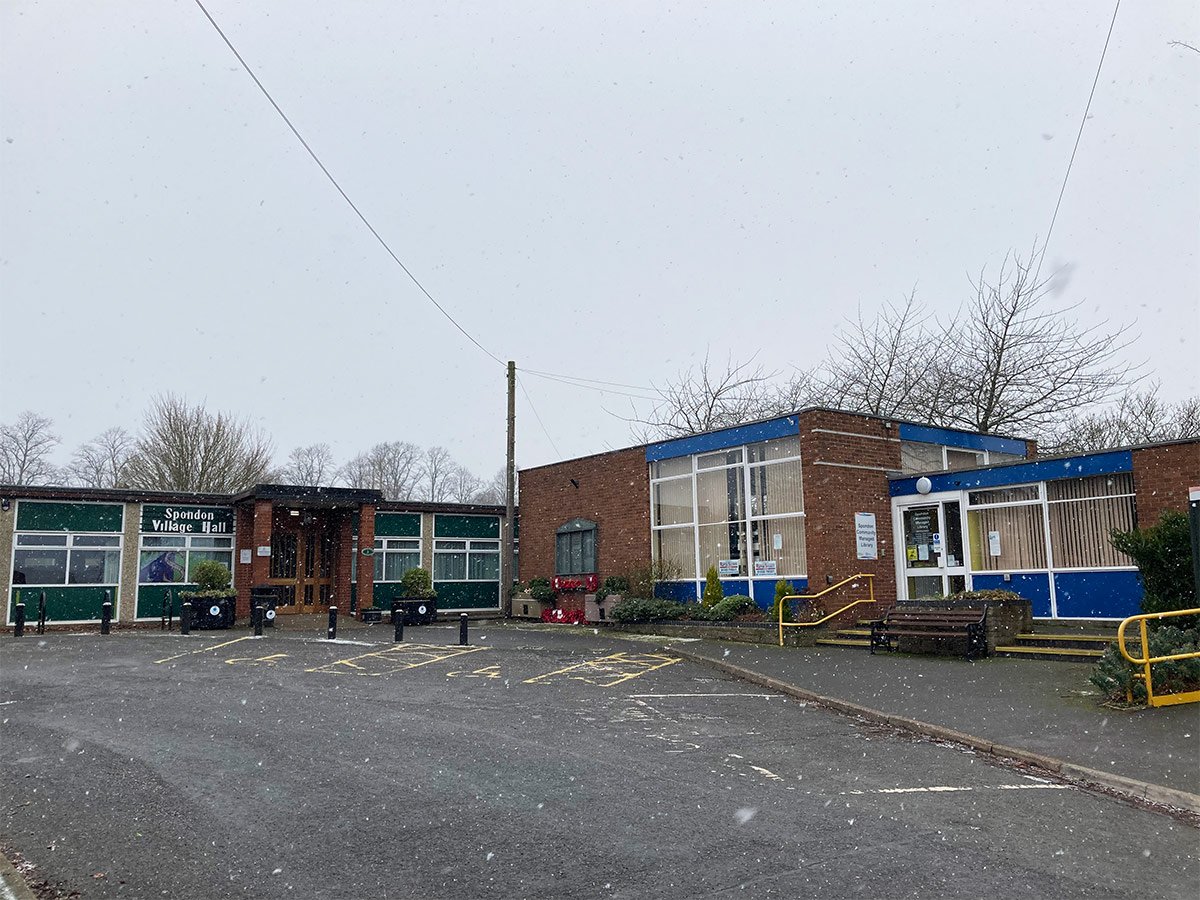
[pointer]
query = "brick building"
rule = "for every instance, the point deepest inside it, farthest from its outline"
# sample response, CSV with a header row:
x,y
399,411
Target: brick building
x,y
820,495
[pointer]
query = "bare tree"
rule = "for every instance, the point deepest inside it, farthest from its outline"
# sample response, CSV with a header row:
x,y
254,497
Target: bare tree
x,y
392,467
1139,417
25,448
188,448
494,492
437,467
311,465
1018,365
462,486
103,462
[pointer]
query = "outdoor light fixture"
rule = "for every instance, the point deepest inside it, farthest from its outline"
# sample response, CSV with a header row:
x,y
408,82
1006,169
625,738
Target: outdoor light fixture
x,y
924,485
4,504
293,512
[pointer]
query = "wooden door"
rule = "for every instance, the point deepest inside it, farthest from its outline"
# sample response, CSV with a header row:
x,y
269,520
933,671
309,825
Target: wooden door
x,y
302,558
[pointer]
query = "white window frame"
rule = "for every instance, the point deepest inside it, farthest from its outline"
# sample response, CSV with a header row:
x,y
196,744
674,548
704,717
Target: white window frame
x,y
492,550
382,552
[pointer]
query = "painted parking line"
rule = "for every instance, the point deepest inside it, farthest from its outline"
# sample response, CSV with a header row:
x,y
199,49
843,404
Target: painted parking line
x,y
394,659
608,671
248,637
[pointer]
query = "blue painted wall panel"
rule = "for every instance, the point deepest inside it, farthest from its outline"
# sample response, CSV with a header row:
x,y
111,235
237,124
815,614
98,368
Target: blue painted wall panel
x,y
928,434
679,591
1020,473
1097,595
764,591
1033,587
729,437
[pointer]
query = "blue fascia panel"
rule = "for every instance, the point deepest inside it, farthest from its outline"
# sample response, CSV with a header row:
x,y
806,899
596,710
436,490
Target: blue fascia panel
x,y
1019,473
1033,586
764,589
727,437
969,440
1097,595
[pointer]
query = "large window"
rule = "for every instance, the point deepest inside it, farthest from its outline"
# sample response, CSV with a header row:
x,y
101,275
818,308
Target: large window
x,y
739,510
59,559
171,558
466,560
575,548
395,556
1083,513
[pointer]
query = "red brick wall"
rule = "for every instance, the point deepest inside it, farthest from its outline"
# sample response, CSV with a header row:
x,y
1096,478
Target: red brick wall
x,y
1162,476
613,492
863,451
242,574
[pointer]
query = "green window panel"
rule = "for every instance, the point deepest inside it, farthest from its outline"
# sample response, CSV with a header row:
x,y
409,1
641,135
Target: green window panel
x,y
95,517
63,604
467,595
466,526
150,599
397,524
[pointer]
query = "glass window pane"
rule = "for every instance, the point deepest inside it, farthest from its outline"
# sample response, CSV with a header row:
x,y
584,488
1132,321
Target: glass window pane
x,y
379,544
94,567
920,525
94,540
378,566
675,552
41,540
1007,538
484,567
776,489
207,542
488,546
156,541
161,566
1004,495
672,501
1096,486
396,564
42,566
963,459
719,495
450,566
1079,532
724,541
781,540
720,458
915,457
403,545
780,448
450,545
224,557
664,468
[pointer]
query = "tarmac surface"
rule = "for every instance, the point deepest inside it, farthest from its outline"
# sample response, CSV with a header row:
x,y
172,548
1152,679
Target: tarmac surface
x,y
539,761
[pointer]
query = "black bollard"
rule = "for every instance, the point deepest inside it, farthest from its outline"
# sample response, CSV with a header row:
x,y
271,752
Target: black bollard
x,y
258,621
397,621
162,622
19,621
462,630
41,626
185,617
106,615
333,623
170,610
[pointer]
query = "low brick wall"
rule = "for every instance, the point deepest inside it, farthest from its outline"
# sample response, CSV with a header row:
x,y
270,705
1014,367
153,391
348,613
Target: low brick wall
x,y
748,633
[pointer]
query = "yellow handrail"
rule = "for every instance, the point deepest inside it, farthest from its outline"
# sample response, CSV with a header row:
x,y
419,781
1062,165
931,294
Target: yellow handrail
x,y
1146,660
782,624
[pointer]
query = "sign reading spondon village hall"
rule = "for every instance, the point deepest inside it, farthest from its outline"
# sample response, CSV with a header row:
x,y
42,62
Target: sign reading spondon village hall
x,y
186,519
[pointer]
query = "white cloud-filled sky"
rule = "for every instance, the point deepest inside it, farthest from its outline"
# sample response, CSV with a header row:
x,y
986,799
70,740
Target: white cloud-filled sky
x,y
606,190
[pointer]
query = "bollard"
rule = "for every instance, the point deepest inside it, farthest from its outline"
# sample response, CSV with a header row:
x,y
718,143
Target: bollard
x,y
333,623
41,626
19,621
170,609
258,621
185,617
162,622
462,630
397,622
106,615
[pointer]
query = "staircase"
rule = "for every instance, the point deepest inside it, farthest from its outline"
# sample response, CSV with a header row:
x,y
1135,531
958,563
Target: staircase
x,y
1049,639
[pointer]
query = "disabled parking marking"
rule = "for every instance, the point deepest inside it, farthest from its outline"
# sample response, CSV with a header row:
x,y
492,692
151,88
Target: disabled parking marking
x,y
255,660
394,659
248,637
608,671
485,672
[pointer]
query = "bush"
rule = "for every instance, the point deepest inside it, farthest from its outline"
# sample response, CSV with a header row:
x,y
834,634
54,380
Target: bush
x,y
640,609
782,589
713,592
211,576
541,589
989,594
1163,554
417,583
642,581
725,610
1114,674
613,584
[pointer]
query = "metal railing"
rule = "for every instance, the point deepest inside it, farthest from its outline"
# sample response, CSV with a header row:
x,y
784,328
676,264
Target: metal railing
x,y
1146,661
833,587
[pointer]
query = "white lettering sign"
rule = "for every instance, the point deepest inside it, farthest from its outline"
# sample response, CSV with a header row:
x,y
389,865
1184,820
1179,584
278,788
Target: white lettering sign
x,y
994,543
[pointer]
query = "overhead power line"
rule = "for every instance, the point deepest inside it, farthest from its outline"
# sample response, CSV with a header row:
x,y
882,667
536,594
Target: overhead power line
x,y
533,408
338,187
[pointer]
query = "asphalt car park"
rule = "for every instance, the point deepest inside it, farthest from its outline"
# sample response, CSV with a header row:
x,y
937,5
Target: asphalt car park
x,y
534,762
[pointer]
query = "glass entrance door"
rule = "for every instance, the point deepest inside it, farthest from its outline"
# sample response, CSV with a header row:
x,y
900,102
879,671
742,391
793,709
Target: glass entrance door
x,y
302,557
933,563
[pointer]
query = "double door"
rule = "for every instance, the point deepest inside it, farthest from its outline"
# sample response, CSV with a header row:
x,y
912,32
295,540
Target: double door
x,y
930,556
302,558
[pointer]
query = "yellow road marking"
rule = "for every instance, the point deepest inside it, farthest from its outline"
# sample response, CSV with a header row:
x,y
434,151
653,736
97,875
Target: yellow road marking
x,y
392,658
254,660
621,665
485,672
247,637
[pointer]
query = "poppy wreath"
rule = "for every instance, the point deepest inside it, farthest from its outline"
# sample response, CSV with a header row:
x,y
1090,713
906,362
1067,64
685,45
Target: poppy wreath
x,y
564,616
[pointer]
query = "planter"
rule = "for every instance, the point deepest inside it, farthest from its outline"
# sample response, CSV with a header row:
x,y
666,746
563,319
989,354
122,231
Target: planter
x,y
598,610
415,610
528,608
211,611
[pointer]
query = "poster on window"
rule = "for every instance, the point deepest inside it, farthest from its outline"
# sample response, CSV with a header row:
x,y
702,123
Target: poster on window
x,y
865,535
765,568
729,567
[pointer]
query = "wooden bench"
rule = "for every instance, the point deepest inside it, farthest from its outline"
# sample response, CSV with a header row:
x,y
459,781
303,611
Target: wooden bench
x,y
969,623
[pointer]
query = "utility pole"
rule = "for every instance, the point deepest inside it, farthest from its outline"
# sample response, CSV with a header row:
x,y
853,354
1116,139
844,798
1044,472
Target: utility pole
x,y
510,497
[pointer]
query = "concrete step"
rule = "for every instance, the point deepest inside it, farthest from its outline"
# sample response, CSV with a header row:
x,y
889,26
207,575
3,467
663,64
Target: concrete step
x,y
853,632
1065,641
1067,654
843,642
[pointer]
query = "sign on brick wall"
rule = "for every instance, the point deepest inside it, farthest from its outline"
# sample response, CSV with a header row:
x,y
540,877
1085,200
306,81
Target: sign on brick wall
x,y
866,535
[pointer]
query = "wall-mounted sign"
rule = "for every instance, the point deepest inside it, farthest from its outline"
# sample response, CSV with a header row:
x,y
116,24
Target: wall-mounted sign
x,y
244,556
264,550
866,536
729,567
162,519
764,568
368,551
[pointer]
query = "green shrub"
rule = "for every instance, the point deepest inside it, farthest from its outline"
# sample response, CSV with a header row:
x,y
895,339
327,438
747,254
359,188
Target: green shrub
x,y
782,589
613,584
989,594
643,580
541,589
725,610
640,609
1163,554
417,583
1114,674
713,592
211,575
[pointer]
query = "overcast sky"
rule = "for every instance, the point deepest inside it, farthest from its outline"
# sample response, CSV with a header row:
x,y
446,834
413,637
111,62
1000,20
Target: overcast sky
x,y
604,190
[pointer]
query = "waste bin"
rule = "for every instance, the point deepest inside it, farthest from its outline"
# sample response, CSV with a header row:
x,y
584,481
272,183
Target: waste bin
x,y
266,596
209,612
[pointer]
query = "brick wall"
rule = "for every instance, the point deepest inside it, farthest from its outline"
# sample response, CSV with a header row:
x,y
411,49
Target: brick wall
x,y
1162,476
613,491
845,460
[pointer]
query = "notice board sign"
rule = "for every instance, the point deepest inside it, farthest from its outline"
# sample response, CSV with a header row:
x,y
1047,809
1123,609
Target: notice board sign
x,y
866,537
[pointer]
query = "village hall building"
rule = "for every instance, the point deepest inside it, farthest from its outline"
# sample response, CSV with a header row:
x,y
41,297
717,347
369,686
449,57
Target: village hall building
x,y
315,546
821,495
